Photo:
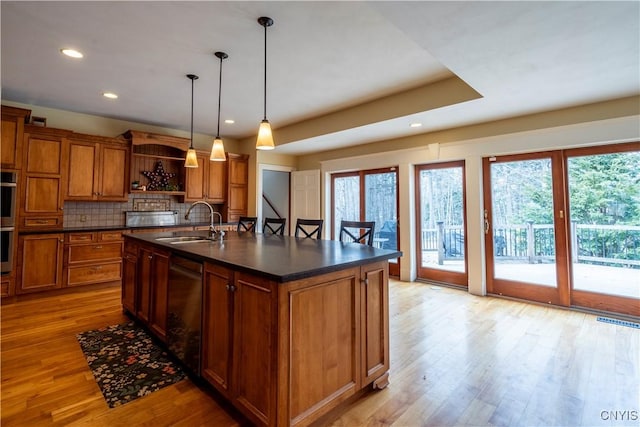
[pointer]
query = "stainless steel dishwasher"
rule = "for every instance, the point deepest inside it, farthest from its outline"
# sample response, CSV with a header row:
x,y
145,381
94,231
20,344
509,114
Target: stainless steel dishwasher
x,y
184,322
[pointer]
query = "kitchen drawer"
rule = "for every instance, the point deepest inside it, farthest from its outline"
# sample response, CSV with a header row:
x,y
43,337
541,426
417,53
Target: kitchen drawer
x,y
81,237
85,275
110,236
95,252
42,222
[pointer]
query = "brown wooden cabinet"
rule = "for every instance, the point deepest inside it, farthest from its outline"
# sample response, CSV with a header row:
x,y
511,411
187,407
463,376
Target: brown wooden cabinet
x,y
129,277
238,345
206,182
217,323
13,120
92,257
39,262
237,200
41,184
322,339
98,168
152,287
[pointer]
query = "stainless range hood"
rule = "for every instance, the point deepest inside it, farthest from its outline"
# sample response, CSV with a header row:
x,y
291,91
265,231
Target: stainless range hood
x,y
150,218
150,213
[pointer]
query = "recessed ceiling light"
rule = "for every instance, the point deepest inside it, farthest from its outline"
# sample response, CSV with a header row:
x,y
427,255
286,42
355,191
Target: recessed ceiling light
x,y
72,53
416,125
229,121
110,95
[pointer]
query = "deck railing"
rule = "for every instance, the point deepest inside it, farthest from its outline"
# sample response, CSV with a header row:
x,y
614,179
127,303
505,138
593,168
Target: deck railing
x,y
612,245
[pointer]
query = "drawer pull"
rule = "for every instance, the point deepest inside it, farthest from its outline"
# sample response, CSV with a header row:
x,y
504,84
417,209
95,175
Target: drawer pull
x,y
97,268
97,247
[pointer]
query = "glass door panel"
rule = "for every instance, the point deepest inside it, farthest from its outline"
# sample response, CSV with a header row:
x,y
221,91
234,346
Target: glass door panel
x,y
604,190
381,206
523,228
441,223
370,195
346,201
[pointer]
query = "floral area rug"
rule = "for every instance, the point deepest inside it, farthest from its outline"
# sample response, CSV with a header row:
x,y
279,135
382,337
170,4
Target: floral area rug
x,y
126,363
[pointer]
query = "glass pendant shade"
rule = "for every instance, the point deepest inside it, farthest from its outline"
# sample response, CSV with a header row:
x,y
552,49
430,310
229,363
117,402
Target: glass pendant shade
x,y
217,151
265,137
192,160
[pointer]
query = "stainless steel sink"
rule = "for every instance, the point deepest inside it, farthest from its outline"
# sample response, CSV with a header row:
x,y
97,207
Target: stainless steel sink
x,y
182,239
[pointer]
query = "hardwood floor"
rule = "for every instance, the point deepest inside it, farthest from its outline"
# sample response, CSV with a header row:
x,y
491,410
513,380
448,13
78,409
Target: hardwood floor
x,y
456,359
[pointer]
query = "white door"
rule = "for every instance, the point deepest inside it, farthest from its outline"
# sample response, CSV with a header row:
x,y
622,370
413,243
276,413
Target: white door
x,y
305,196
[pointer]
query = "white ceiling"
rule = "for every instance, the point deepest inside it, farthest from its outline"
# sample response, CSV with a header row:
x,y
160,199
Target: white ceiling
x,y
323,57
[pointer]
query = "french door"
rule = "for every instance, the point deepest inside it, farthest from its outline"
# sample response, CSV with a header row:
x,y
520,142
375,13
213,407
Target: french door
x,y
369,195
563,227
440,225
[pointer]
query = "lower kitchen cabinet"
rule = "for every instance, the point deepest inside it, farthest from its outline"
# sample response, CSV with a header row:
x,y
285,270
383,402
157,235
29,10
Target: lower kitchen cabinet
x,y
151,292
217,315
238,340
322,339
93,257
39,262
129,277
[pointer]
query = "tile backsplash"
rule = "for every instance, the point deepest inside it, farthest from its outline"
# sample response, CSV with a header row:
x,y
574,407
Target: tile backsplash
x,y
107,214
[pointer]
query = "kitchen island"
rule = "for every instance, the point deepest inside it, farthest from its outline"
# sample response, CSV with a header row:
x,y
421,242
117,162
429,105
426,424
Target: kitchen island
x,y
290,327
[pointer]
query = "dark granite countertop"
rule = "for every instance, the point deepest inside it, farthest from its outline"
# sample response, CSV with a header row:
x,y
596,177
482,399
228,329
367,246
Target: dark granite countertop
x,y
118,227
279,258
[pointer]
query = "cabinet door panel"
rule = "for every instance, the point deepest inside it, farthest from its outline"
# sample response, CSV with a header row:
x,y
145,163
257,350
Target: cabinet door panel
x,y
82,171
43,156
217,323
9,139
324,345
159,293
42,195
143,303
375,321
129,282
217,182
113,176
195,180
40,262
254,324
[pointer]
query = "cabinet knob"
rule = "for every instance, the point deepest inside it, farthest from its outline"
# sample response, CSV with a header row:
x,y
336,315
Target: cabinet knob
x,y
61,240
150,256
365,281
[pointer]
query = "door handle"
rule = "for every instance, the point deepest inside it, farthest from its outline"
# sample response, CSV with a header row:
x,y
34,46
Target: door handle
x,y
486,222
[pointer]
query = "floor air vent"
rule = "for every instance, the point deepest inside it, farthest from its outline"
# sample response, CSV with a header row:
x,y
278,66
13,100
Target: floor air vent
x,y
619,322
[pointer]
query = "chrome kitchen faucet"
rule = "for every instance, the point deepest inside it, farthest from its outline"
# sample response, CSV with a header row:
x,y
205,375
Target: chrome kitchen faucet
x,y
212,230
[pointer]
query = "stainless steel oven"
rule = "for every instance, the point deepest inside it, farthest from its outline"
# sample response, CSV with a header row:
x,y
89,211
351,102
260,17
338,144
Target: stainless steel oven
x,y
8,195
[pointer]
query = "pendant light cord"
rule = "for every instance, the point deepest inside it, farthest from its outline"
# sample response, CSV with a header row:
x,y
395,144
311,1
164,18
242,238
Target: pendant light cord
x,y
265,72
219,97
191,146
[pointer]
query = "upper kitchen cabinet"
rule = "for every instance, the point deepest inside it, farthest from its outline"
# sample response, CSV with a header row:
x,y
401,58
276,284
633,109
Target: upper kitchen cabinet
x,y
98,168
162,158
41,186
237,187
206,182
13,120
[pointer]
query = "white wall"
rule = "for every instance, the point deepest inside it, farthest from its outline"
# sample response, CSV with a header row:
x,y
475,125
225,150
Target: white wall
x,y
472,151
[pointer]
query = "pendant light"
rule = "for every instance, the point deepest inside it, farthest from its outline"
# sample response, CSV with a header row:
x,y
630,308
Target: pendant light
x,y
265,137
217,150
192,160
